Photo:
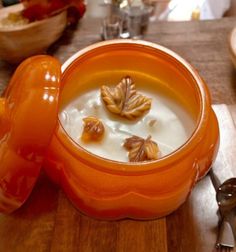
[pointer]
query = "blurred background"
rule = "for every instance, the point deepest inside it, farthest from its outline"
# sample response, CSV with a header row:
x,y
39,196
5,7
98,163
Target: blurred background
x,y
171,10
17,20
175,10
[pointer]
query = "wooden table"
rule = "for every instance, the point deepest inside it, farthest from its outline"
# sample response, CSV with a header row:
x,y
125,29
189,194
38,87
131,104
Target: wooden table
x,y
48,221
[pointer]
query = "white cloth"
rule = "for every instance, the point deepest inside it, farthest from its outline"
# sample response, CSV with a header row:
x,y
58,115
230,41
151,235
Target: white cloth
x,y
214,9
182,10
224,166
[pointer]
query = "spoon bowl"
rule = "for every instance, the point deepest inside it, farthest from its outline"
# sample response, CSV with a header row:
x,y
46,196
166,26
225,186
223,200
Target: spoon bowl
x,y
226,195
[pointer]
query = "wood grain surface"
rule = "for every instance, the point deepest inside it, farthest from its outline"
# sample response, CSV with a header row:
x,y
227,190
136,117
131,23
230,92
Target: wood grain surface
x,y
49,222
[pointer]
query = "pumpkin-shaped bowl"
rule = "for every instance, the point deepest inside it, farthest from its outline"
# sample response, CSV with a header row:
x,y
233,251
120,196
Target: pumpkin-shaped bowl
x,y
108,189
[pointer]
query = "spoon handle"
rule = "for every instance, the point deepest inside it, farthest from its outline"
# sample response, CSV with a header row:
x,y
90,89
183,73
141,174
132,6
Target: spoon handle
x,y
225,236
215,180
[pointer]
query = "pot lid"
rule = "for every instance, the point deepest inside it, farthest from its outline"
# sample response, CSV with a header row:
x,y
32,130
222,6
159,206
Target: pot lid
x,y
28,116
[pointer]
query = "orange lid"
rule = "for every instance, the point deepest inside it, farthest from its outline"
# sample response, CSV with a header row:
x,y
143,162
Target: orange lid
x,y
28,116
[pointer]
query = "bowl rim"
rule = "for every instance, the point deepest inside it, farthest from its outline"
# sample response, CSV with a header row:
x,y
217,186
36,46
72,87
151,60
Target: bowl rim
x,y
23,27
231,44
113,166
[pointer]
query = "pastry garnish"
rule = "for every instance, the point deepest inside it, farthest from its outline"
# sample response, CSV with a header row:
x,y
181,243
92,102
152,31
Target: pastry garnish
x,y
141,149
124,99
93,129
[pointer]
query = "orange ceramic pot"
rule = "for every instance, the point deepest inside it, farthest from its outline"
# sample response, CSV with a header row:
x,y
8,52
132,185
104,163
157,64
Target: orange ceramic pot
x,y
107,189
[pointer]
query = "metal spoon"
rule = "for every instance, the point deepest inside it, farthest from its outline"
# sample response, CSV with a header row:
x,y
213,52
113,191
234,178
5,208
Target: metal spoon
x,y
226,199
226,195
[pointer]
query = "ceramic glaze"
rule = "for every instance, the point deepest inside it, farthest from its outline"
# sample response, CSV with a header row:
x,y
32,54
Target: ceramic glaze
x,y
110,189
32,136
167,122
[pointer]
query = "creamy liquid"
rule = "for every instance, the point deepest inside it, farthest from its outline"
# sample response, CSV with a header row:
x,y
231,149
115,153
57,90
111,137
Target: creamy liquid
x,y
167,122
